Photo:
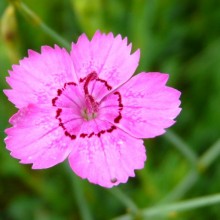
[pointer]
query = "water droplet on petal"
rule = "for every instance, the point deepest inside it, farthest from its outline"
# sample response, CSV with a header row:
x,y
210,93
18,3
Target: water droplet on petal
x,y
114,180
120,142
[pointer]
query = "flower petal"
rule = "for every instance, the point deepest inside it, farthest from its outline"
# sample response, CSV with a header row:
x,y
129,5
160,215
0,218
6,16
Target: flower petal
x,y
109,158
37,138
149,106
110,57
37,77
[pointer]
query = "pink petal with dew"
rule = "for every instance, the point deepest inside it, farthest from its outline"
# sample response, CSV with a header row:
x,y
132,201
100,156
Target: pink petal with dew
x,y
36,78
149,106
37,138
109,158
110,57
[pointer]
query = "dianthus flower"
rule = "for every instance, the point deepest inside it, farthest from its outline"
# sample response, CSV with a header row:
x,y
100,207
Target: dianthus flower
x,y
85,106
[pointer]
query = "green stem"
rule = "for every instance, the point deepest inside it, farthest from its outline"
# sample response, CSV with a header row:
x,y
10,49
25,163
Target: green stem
x,y
120,195
180,190
175,207
182,147
209,156
34,19
203,163
184,205
78,193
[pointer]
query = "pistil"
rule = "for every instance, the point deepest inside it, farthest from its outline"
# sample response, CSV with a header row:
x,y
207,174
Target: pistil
x,y
91,110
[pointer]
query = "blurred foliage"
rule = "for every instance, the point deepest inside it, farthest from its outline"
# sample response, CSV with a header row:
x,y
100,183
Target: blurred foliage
x,y
178,37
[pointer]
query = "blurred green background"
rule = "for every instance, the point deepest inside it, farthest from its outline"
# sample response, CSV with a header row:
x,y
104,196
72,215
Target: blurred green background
x,y
181,38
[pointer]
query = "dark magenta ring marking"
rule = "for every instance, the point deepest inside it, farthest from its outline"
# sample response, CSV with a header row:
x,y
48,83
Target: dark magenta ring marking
x,y
91,76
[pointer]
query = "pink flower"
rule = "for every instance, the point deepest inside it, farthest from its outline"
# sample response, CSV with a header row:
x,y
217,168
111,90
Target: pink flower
x,y
85,106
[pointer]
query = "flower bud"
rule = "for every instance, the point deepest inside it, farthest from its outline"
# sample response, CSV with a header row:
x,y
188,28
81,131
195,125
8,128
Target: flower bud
x,y
9,33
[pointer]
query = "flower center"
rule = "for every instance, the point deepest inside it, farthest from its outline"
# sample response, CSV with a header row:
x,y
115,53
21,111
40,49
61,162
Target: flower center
x,y
75,102
87,115
91,109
